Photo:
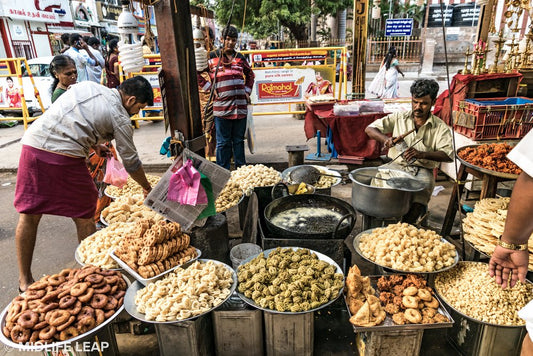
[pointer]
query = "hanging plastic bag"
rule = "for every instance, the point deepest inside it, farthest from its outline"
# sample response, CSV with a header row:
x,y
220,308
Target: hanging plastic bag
x,y
115,173
185,188
250,130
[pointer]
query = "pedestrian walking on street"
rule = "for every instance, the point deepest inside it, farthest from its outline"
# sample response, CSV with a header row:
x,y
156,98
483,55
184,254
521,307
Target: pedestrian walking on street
x,y
111,65
385,85
82,56
204,90
95,72
65,38
63,69
234,82
53,177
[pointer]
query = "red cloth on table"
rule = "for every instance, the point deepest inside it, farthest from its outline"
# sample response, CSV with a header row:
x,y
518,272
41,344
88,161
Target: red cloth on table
x,y
348,132
314,119
458,90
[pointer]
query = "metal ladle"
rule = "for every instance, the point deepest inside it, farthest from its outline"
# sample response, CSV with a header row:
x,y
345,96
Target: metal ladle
x,y
311,175
307,174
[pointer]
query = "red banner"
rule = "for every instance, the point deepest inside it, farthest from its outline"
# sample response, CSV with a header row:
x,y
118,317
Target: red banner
x,y
277,90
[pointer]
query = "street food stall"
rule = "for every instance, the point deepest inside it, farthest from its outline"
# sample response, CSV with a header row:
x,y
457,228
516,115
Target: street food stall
x,y
164,258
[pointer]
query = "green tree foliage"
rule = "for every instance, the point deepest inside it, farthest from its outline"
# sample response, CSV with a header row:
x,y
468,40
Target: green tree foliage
x,y
263,17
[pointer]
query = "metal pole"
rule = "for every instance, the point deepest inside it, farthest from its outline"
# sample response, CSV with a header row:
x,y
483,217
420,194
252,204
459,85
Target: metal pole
x,y
424,30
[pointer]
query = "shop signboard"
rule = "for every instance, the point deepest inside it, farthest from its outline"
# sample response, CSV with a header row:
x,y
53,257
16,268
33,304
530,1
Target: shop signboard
x,y
465,15
107,12
154,82
435,15
458,15
398,27
287,84
84,14
26,10
289,56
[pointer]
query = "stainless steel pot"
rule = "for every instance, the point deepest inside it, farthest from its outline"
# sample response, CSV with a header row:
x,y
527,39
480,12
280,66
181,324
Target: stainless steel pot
x,y
377,201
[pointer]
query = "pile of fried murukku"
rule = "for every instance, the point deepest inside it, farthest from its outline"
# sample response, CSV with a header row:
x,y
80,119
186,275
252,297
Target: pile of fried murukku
x,y
486,223
186,293
155,247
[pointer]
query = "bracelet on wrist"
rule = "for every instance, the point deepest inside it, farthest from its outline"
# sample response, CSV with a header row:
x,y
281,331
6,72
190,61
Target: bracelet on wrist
x,y
516,247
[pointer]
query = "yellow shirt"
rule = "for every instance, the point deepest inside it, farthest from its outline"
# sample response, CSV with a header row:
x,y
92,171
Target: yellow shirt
x,y
434,135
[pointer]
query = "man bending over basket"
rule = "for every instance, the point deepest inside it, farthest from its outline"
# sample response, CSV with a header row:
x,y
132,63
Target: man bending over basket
x,y
52,174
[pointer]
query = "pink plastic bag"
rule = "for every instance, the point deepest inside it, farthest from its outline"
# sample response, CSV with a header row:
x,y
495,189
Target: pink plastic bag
x,y
115,173
185,188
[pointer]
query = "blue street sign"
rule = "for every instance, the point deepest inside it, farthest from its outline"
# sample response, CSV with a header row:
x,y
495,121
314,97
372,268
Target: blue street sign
x,y
398,27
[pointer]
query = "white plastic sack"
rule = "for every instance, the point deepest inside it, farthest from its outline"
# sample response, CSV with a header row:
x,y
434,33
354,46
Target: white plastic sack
x,y
250,130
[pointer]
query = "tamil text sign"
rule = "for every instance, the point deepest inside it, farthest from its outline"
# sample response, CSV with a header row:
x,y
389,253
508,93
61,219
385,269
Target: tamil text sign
x,y
398,27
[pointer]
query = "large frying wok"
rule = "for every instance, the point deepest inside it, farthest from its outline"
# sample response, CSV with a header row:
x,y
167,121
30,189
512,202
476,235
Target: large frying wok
x,y
337,229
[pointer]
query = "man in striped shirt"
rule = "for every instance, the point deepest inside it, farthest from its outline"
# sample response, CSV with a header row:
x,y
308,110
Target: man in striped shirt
x,y
234,81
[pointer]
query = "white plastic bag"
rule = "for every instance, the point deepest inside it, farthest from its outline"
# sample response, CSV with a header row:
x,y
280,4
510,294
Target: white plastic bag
x,y
250,130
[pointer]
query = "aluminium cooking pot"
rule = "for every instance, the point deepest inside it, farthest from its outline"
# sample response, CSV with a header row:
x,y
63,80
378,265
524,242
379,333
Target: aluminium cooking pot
x,y
380,202
338,229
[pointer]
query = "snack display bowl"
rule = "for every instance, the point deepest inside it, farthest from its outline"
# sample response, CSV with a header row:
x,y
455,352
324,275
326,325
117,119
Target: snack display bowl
x,y
320,256
131,308
357,241
59,344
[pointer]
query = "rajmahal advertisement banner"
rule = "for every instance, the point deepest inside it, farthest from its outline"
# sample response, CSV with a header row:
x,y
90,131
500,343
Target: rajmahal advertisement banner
x,y
288,84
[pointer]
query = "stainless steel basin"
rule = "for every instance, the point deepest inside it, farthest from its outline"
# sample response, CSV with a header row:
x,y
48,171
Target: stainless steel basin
x,y
379,202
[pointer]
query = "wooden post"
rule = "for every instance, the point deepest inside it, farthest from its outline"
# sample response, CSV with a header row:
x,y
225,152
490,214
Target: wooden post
x,y
360,30
485,16
179,69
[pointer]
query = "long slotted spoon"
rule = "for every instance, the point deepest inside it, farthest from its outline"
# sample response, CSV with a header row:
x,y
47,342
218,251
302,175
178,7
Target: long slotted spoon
x,y
311,175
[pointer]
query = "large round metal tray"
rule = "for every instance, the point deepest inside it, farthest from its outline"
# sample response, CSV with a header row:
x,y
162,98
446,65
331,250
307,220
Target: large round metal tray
x,y
484,255
102,220
107,193
131,308
60,344
474,247
481,169
77,257
357,240
320,256
145,281
285,175
448,306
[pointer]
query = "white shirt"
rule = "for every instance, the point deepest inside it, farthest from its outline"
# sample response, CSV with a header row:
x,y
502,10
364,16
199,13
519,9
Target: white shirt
x,y
95,72
85,115
82,60
522,154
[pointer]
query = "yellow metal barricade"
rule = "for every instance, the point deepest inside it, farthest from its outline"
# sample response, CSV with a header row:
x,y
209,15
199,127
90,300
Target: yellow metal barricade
x,y
150,71
318,59
290,59
13,99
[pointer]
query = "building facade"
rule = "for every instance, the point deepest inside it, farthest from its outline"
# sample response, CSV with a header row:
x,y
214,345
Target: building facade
x,y
32,28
